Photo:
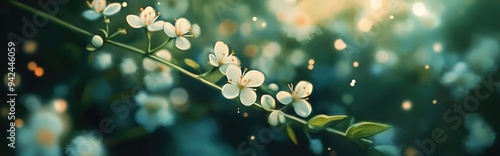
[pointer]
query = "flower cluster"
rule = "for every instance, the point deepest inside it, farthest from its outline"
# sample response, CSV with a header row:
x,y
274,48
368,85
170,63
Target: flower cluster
x,y
148,18
242,84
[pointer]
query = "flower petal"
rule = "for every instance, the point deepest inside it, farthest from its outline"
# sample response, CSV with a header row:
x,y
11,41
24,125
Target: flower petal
x,y
112,9
213,61
134,21
221,50
233,74
276,117
169,29
232,60
156,26
182,26
182,43
148,15
273,118
303,89
302,108
284,97
267,101
223,68
248,96
255,78
91,15
196,30
97,41
230,91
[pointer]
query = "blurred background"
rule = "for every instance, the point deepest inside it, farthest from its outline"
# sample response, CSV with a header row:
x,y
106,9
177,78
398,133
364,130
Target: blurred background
x,y
415,65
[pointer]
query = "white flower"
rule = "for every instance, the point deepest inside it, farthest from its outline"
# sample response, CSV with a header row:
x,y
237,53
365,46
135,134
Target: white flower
x,y
276,117
147,18
99,7
154,111
41,135
85,145
298,98
179,32
241,84
97,41
221,57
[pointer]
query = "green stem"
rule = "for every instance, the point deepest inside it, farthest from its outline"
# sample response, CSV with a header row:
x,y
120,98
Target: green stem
x,y
156,58
162,45
114,34
149,41
50,17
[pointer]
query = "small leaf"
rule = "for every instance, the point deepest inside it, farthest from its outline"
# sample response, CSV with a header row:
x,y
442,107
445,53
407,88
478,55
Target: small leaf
x,y
291,134
365,129
192,64
213,75
90,48
322,120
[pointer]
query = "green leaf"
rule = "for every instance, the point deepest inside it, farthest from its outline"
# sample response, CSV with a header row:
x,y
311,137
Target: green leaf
x,y
365,129
192,64
321,120
90,48
291,134
213,75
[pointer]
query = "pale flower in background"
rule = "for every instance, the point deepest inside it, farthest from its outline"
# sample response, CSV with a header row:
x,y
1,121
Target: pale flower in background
x,y
153,111
99,7
85,145
41,135
298,98
179,32
221,57
242,84
146,18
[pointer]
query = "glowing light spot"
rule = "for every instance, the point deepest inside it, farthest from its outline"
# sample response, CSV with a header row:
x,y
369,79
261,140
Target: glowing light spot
x,y
353,82
238,110
60,105
391,17
30,46
19,123
252,137
254,18
310,67
419,9
329,148
245,114
124,4
339,44
5,111
32,66
376,4
437,47
228,27
311,61
427,66
382,56
434,101
365,25
407,105
158,3
355,64
263,24
45,137
39,72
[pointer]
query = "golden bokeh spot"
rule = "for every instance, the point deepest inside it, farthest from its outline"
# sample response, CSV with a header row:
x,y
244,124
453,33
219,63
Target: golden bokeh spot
x,y
30,46
60,105
355,64
32,65
19,123
45,137
228,27
39,72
